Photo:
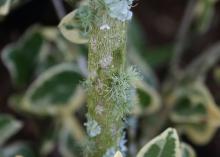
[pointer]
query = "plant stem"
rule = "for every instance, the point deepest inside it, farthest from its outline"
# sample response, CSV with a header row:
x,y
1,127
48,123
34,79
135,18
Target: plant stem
x,y
106,59
200,66
182,35
58,5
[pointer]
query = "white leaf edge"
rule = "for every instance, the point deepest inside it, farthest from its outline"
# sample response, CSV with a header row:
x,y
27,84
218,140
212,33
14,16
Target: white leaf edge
x,y
40,80
118,154
162,137
5,8
74,34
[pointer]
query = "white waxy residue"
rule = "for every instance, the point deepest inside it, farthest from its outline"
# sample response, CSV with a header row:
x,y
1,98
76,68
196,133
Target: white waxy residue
x,y
104,27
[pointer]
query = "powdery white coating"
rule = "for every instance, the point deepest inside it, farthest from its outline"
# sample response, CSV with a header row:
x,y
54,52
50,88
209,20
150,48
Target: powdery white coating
x,y
106,61
104,27
99,86
113,130
93,44
122,143
110,152
92,127
93,75
120,9
99,109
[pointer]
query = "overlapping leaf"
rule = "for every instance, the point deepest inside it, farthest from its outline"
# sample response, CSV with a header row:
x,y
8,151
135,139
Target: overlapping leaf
x,y
52,90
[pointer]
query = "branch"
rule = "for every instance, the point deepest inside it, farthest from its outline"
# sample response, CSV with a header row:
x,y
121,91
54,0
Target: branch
x,y
200,66
58,5
182,35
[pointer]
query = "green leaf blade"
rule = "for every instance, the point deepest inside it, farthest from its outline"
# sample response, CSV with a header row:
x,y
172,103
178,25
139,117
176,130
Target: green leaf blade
x,y
165,145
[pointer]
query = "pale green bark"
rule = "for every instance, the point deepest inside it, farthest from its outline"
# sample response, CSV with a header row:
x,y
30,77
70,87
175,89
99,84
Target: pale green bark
x,y
106,58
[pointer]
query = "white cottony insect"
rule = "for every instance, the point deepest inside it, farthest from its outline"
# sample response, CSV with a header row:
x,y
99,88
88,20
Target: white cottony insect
x,y
106,61
92,127
120,9
104,27
99,109
122,143
110,152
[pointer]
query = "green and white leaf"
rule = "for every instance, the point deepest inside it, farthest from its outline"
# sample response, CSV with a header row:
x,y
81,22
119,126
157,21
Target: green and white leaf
x,y
8,127
68,30
118,154
20,58
147,98
205,13
53,90
18,149
4,7
217,74
68,145
199,134
192,104
199,124
187,150
165,145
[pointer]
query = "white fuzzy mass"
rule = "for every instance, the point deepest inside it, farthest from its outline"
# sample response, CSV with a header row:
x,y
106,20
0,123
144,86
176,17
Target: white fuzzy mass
x,y
104,27
120,9
93,128
106,61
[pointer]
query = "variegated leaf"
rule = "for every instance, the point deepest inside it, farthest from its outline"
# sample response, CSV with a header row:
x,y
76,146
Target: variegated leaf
x,y
187,150
54,90
4,7
147,98
68,30
118,154
165,145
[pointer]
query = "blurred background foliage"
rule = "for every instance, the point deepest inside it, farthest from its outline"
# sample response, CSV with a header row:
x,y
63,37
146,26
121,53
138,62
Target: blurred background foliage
x,y
174,44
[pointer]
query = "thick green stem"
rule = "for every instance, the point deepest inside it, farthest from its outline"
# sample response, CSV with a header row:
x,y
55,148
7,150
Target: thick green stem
x,y
107,46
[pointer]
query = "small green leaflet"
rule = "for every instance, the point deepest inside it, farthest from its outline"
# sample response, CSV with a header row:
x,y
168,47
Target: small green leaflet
x,y
165,145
